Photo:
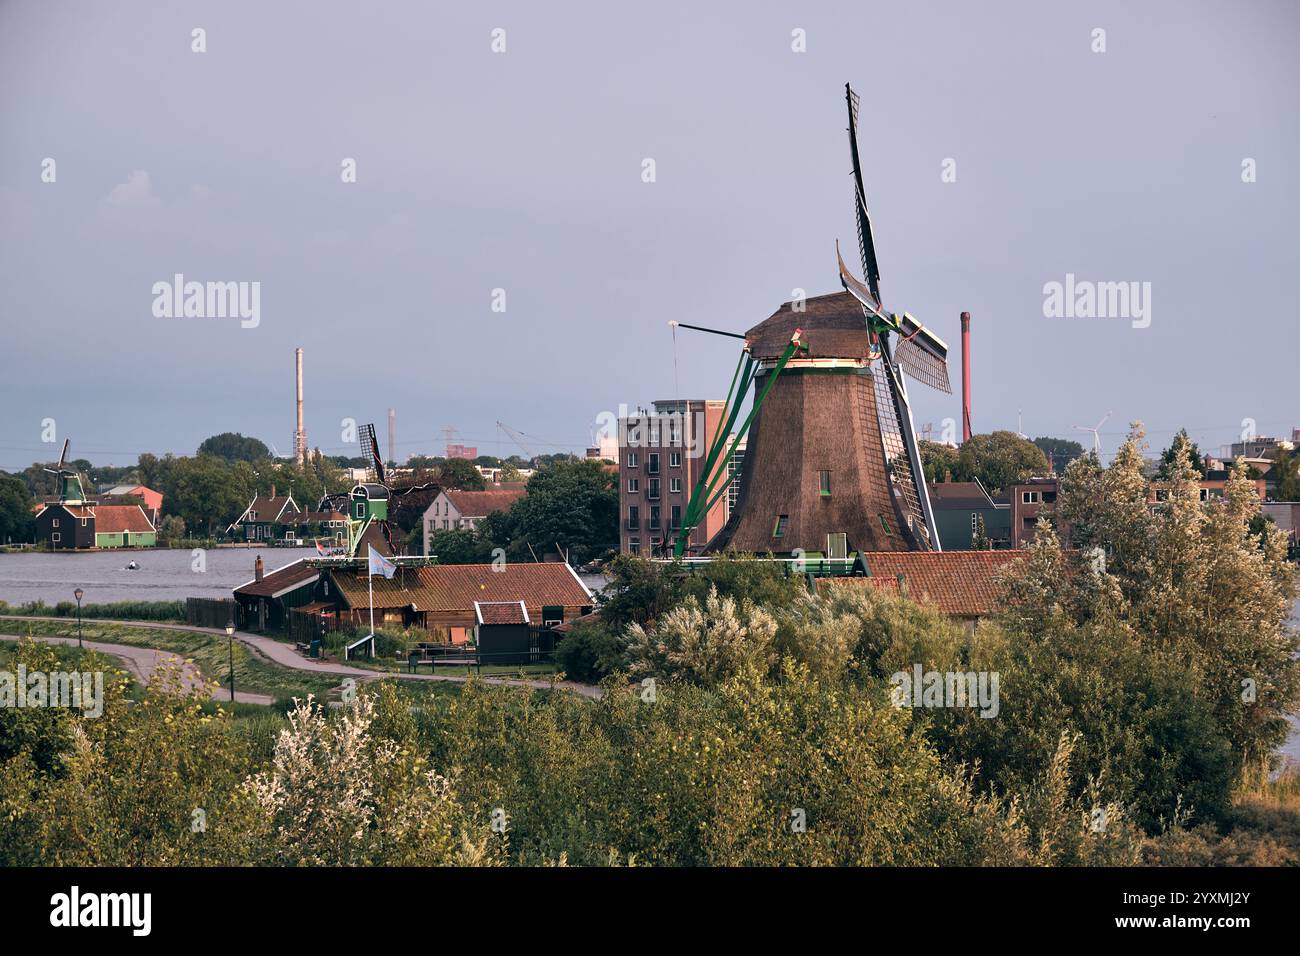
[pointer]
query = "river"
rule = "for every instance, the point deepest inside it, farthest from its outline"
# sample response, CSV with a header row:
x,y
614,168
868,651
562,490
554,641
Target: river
x,y
163,575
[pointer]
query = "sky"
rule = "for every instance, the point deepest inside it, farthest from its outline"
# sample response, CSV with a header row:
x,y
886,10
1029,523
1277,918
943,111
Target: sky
x,y
1002,151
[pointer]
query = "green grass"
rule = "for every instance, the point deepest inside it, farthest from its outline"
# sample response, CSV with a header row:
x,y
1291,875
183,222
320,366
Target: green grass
x,y
208,652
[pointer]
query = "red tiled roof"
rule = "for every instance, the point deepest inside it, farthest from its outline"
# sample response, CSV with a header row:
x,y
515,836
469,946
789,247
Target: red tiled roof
x,y
477,504
280,580
500,612
114,519
444,588
960,583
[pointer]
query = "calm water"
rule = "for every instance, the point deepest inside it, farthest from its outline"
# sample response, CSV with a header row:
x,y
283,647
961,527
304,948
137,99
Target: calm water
x,y
162,576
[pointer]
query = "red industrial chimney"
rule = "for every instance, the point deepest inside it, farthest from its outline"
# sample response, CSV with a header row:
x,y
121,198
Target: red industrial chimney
x,y
965,377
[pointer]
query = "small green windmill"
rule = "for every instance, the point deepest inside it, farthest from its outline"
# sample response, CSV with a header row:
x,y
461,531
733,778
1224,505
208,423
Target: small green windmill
x,y
70,490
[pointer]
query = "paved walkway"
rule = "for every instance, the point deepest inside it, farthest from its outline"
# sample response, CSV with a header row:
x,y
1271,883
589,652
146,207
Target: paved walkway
x,y
278,652
143,661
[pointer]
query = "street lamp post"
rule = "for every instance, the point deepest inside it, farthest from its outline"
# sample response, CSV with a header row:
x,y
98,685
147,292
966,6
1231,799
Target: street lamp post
x,y
78,594
230,650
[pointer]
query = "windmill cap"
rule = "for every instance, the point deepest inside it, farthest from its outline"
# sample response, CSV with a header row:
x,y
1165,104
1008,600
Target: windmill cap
x,y
830,326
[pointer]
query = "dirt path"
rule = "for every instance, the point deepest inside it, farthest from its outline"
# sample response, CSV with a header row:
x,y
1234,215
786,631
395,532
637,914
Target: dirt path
x,y
143,661
278,652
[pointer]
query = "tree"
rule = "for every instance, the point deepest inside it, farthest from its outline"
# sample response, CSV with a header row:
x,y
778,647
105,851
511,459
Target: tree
x,y
940,462
208,493
979,539
15,510
1059,451
1286,473
233,446
570,504
1182,445
457,546
998,460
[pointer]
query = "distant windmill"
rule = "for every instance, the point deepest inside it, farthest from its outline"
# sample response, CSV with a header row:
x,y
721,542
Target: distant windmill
x,y
70,490
1096,433
371,499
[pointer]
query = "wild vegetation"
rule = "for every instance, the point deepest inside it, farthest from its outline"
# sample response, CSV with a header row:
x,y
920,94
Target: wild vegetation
x,y
1145,674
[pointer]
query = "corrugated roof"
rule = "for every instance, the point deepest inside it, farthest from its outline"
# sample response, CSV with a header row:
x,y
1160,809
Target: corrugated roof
x,y
960,583
449,588
115,519
477,504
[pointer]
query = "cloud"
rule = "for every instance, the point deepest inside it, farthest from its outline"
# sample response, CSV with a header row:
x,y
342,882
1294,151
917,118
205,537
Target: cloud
x,y
136,191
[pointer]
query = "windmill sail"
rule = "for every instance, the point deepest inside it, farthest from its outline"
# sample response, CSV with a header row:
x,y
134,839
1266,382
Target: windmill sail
x,y
922,361
371,444
920,353
866,244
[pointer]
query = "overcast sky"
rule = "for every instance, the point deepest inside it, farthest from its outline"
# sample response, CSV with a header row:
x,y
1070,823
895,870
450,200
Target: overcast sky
x,y
522,171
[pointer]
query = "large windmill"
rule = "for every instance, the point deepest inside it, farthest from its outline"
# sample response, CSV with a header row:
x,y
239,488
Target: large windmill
x,y
832,466
70,489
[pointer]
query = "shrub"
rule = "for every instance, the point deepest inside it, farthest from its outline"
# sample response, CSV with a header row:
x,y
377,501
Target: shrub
x,y
590,652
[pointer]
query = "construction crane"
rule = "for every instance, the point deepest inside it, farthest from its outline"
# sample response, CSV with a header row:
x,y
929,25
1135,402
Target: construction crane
x,y
518,438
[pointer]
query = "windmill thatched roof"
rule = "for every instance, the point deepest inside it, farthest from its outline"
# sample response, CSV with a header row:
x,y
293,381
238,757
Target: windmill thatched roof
x,y
833,327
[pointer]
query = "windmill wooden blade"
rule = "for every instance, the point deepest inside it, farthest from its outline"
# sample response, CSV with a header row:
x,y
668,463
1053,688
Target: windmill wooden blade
x,y
866,243
63,456
371,444
922,354
855,286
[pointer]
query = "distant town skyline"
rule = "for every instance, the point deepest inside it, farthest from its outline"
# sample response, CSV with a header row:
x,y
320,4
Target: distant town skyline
x,y
480,215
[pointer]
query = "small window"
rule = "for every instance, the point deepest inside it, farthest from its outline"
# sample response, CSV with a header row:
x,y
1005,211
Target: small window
x,y
675,485
83,522
837,545
778,530
1029,497
676,516
1049,497
56,537
632,461
652,462
54,522
653,489
634,545
633,485
884,523
675,459
974,521
824,478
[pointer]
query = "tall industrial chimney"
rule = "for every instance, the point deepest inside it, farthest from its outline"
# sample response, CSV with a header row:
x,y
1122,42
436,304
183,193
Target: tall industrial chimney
x,y
965,377
392,435
300,435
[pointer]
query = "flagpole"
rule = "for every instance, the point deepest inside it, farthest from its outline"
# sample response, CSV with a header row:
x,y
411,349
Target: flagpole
x,y
370,582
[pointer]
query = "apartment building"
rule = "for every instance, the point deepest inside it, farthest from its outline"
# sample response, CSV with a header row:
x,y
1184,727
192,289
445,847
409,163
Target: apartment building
x,y
661,453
